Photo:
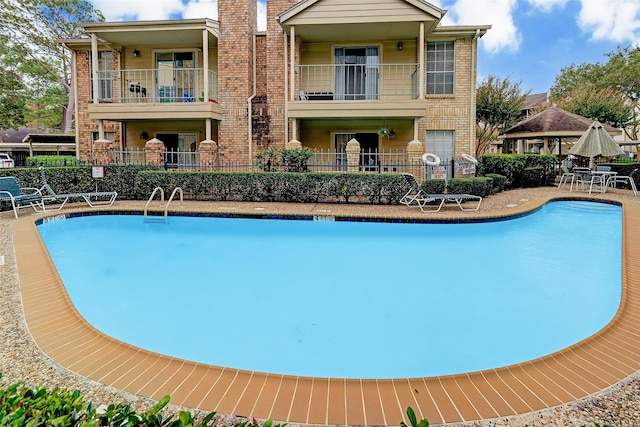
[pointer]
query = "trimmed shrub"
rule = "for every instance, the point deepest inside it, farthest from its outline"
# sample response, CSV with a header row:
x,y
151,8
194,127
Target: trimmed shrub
x,y
512,167
481,186
498,184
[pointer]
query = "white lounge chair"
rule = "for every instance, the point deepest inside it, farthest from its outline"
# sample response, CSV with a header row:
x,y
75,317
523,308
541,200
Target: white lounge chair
x,y
93,199
423,199
20,197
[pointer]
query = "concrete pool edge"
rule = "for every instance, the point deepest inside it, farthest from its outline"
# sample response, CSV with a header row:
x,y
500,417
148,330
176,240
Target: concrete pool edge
x,y
583,369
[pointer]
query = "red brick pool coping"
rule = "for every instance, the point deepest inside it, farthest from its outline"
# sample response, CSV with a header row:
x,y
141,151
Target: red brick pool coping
x,y
578,371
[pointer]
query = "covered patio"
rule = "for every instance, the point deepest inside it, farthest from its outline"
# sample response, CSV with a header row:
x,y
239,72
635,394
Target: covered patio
x,y
553,131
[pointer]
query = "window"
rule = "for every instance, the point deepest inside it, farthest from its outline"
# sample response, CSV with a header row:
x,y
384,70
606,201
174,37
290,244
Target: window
x,y
111,136
176,76
356,73
105,68
440,143
440,67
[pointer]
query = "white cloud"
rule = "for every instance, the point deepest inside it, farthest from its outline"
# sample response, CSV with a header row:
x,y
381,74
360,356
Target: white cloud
x,y
127,10
498,13
201,9
547,5
611,20
119,10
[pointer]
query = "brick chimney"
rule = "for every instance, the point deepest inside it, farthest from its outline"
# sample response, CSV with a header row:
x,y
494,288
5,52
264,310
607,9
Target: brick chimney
x,y
238,23
276,77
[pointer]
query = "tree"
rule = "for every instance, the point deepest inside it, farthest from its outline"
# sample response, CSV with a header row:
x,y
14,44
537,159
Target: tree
x,y
606,105
13,91
608,92
499,103
33,28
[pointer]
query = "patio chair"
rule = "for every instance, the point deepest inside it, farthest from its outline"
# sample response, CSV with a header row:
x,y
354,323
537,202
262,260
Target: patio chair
x,y
566,176
591,180
93,199
423,200
615,179
20,197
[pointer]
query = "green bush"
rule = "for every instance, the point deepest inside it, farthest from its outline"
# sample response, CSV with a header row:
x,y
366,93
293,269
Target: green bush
x,y
434,186
52,160
480,186
498,184
276,186
513,166
22,406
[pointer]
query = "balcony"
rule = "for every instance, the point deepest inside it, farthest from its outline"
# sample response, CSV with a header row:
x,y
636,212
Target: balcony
x,y
160,93
361,90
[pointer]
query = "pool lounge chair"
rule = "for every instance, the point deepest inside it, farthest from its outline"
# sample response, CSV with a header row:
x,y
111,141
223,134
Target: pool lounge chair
x,y
415,191
423,200
20,197
93,199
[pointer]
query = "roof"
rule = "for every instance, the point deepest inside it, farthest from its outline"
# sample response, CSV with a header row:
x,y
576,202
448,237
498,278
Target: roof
x,y
535,99
553,122
13,135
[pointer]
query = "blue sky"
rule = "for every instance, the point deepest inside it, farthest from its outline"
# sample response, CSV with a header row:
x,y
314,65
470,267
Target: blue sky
x,y
530,40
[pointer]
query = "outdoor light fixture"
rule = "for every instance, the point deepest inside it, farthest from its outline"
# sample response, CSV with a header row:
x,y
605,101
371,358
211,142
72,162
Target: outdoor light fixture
x,y
400,47
143,135
136,53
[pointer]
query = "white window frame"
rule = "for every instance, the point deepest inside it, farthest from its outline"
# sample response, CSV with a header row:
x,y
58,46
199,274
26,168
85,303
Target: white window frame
x,y
441,67
105,80
441,143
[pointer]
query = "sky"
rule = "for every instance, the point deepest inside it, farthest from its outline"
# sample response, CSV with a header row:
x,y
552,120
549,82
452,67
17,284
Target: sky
x,y
530,40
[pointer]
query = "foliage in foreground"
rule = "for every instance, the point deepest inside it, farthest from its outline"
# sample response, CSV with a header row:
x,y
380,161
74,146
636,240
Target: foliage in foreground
x,y
22,406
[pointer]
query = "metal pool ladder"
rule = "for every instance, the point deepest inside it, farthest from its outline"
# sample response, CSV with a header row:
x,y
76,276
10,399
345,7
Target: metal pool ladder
x,y
166,207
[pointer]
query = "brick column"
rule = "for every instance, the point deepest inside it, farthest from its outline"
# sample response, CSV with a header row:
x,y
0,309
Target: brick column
x,y
277,72
154,152
238,24
102,151
208,154
294,144
353,155
415,150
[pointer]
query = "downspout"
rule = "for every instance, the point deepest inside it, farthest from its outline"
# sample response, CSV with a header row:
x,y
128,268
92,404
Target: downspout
x,y
286,91
249,101
474,54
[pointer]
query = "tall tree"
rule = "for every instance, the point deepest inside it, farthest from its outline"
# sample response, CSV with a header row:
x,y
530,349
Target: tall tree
x,y
34,27
499,103
608,92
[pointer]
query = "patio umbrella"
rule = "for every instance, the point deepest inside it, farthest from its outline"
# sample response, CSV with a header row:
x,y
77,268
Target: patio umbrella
x,y
596,141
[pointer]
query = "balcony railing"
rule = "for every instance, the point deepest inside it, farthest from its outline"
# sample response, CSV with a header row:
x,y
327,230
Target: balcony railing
x,y
157,85
352,82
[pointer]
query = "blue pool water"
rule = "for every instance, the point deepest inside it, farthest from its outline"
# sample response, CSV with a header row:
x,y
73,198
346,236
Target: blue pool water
x,y
346,299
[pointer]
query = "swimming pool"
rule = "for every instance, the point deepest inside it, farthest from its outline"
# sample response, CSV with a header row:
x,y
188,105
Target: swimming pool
x,y
401,295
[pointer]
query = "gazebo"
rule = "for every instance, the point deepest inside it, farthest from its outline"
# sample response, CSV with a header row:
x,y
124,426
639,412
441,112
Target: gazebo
x,y
552,123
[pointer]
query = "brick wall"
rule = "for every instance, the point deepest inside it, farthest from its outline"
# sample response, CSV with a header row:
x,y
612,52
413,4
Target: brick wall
x,y
84,126
455,112
276,67
238,23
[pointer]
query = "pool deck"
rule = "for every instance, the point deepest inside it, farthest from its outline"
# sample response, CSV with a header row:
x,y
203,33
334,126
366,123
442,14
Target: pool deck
x,y
581,370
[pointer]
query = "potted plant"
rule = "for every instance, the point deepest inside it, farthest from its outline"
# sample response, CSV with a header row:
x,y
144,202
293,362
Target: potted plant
x,y
388,132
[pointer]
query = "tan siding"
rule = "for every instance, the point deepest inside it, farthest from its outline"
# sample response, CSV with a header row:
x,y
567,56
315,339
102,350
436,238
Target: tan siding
x,y
152,127
333,11
318,134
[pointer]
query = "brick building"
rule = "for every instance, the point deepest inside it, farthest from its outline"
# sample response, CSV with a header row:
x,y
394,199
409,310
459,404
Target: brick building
x,y
324,72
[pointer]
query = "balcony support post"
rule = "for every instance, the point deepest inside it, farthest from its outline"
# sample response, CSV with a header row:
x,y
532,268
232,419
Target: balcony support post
x,y
292,68
94,70
205,71
421,75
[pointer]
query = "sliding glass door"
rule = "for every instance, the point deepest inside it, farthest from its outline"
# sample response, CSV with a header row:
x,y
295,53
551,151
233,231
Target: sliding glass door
x,y
356,73
176,76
